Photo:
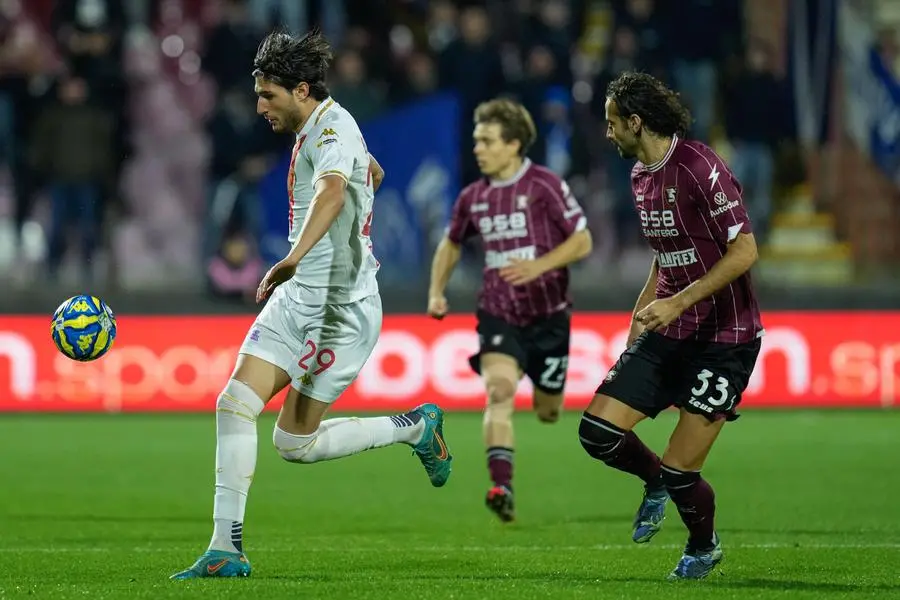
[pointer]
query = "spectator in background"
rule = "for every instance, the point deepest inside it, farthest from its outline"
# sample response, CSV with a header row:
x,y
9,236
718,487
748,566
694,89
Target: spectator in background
x,y
552,29
625,55
442,25
236,267
418,79
72,150
471,66
243,148
25,64
231,46
701,34
351,87
646,22
90,35
754,129
536,90
301,15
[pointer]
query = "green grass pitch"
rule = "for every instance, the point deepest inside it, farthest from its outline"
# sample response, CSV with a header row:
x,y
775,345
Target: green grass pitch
x,y
109,506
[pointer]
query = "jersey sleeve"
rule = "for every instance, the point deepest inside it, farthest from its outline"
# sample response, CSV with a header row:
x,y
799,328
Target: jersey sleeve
x,y
563,208
720,197
332,152
461,226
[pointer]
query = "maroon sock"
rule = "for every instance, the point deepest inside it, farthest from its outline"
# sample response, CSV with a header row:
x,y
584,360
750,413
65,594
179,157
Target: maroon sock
x,y
696,503
635,457
500,465
620,449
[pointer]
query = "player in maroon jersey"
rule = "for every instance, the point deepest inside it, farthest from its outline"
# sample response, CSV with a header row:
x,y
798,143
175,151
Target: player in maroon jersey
x,y
695,333
531,228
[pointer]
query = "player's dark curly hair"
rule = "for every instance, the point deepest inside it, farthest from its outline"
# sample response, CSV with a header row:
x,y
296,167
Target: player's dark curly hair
x,y
659,108
514,119
288,61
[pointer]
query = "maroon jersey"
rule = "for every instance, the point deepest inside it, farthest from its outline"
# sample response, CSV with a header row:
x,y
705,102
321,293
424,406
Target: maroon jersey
x,y
522,218
690,207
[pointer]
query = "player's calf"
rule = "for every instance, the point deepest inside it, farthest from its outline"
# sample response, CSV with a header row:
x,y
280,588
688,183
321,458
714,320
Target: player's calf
x,y
696,503
498,430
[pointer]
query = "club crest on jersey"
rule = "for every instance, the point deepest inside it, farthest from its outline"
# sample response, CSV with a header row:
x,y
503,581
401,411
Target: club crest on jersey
x,y
521,202
671,194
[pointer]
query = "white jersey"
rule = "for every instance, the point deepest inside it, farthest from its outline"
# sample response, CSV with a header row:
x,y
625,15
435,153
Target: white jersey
x,y
340,268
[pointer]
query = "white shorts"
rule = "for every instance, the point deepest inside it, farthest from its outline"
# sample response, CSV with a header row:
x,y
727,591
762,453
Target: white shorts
x,y
322,347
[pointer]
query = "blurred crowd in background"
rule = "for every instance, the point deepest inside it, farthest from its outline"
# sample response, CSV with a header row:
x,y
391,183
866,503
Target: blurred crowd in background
x,y
131,151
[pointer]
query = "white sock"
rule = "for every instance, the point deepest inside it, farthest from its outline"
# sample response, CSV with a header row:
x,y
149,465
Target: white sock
x,y
237,408
337,438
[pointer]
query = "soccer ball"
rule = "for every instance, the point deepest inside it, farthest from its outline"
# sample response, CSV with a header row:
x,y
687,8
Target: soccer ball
x,y
83,328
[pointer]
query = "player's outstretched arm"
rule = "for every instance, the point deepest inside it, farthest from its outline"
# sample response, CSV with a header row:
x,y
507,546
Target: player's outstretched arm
x,y
445,258
377,172
740,255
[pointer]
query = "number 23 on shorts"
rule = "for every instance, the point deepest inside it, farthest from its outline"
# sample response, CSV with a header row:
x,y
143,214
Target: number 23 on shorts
x,y
323,358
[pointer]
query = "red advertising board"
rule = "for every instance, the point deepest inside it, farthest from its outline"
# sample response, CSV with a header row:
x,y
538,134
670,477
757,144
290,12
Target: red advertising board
x,y
168,363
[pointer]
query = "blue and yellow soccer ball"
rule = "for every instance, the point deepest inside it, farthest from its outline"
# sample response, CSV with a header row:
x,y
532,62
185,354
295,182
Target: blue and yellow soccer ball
x,y
83,328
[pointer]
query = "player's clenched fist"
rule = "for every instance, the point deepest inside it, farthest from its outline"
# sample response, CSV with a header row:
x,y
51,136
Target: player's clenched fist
x,y
437,307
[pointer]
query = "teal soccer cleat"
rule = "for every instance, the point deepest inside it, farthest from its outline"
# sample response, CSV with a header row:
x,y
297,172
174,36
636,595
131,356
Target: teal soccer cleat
x,y
431,449
216,563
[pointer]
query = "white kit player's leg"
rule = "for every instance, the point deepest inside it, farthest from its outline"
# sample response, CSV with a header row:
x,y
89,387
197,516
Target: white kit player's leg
x,y
336,438
338,340
237,409
260,373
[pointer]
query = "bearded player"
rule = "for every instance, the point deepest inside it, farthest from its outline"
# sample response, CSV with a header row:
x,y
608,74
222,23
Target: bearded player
x,y
696,329
323,314
531,228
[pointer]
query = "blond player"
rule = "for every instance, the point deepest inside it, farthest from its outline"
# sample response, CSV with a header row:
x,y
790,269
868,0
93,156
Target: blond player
x,y
323,314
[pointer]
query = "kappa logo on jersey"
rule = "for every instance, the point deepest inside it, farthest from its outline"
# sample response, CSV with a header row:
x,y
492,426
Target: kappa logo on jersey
x,y
521,202
330,136
671,194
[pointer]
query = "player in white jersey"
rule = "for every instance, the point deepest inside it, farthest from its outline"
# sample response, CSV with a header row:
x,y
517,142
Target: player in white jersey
x,y
323,314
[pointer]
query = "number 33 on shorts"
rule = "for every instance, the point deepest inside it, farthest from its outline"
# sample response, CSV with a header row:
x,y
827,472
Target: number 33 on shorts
x,y
711,393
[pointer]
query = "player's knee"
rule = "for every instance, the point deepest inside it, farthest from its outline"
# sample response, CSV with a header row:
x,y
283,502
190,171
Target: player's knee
x,y
238,400
600,438
676,479
295,448
500,391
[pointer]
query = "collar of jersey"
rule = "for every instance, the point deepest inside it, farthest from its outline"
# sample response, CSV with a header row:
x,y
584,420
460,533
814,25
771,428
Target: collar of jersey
x,y
505,182
316,116
661,163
